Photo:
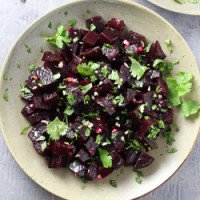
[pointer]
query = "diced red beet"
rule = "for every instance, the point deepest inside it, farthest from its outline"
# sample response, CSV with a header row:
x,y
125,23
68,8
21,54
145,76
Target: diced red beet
x,y
143,161
78,168
108,36
92,171
51,98
90,53
125,74
131,50
118,141
163,89
168,116
156,52
74,63
58,161
38,103
91,146
106,103
111,53
105,87
117,24
148,98
82,137
37,117
27,97
91,38
136,38
130,95
100,123
103,172
58,147
97,22
32,82
117,160
39,149
131,157
83,155
151,143
27,110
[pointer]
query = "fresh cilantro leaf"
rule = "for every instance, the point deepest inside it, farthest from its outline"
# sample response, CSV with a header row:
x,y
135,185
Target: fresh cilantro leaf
x,y
136,145
66,13
118,100
153,132
98,139
31,67
171,150
72,22
138,177
86,99
87,132
168,43
106,46
115,77
24,130
87,69
108,141
61,37
105,158
5,95
184,77
41,138
93,78
189,107
18,65
178,1
159,63
71,99
113,183
86,88
92,27
137,70
56,129
161,124
24,89
87,123
104,71
69,111
90,115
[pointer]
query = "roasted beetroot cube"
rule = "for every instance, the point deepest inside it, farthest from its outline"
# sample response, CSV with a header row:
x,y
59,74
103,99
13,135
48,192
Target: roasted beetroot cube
x,y
111,53
105,87
148,98
58,161
27,110
151,143
118,141
78,168
95,52
103,172
45,76
145,125
134,114
39,149
92,171
131,49
74,63
91,38
83,155
37,131
51,98
32,83
77,33
117,160
125,74
97,22
100,124
91,146
168,116
130,95
156,52
108,36
38,103
58,147
37,117
136,38
162,103
143,161
117,24
27,97
131,157
106,103
163,89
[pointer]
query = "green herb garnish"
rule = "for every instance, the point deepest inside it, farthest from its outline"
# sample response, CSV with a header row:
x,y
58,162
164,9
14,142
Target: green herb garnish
x,y
105,158
113,183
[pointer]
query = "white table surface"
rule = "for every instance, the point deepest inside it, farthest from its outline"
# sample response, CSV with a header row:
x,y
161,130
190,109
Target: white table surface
x,y
14,184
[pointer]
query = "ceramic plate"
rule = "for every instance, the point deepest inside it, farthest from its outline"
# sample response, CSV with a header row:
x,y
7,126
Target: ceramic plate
x,y
185,8
61,182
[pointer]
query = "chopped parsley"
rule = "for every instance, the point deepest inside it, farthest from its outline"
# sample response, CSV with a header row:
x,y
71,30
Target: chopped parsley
x,y
169,134
5,77
147,48
153,132
118,100
138,177
31,67
136,145
105,158
24,89
92,27
56,129
69,111
87,132
104,71
171,150
71,99
168,43
50,25
61,37
98,139
28,49
24,130
86,88
5,95
18,65
87,69
115,77
113,183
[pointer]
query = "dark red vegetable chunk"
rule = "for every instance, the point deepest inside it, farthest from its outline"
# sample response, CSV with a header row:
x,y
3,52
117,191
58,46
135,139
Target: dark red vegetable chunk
x,y
37,117
97,22
91,38
58,161
143,161
91,146
51,98
111,53
117,24
136,38
108,36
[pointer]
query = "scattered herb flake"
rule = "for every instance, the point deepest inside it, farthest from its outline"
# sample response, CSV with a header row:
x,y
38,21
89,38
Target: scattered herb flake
x,y
86,88
87,132
69,111
71,99
50,25
5,95
98,139
168,43
24,130
28,49
92,27
113,183
138,177
5,77
31,67
171,150
105,158
72,22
